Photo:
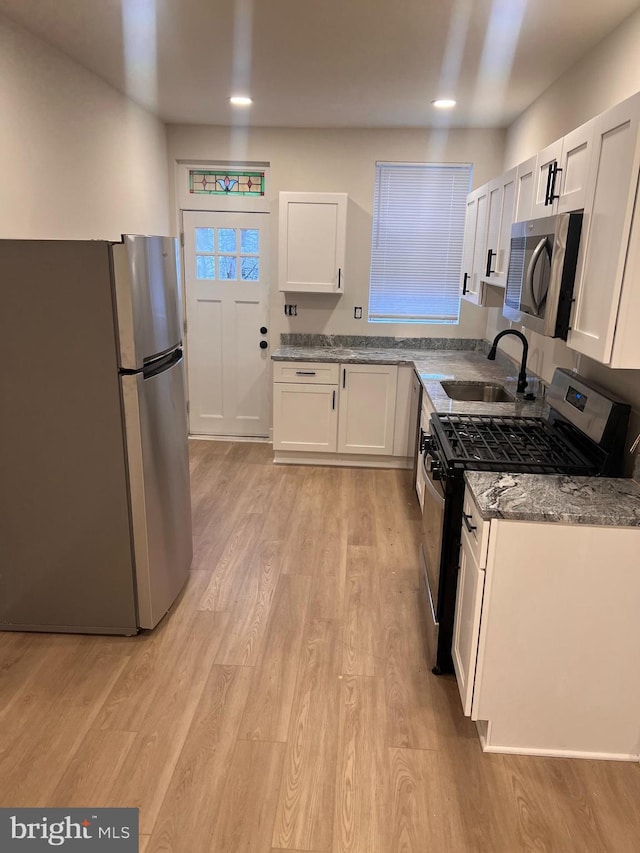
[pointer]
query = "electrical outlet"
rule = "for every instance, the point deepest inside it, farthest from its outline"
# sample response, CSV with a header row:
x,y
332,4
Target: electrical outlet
x,y
357,313
291,310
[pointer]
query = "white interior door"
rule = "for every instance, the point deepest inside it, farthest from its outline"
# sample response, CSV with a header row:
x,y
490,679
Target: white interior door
x,y
226,269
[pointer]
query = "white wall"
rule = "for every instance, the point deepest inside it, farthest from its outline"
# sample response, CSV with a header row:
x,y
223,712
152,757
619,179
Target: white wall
x,y
342,160
607,75
77,159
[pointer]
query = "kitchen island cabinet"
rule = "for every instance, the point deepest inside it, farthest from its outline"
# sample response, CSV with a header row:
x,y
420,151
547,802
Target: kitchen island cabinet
x,y
546,635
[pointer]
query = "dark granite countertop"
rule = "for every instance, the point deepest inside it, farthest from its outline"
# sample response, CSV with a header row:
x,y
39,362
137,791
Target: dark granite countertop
x,y
557,498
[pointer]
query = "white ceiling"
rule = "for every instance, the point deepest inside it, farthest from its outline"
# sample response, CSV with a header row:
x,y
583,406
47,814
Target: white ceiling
x,y
326,63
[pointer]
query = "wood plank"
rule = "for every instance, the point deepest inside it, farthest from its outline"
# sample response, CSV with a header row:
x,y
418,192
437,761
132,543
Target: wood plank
x,y
268,707
305,807
360,824
46,750
150,670
91,771
243,639
363,646
424,809
198,781
250,796
236,562
149,765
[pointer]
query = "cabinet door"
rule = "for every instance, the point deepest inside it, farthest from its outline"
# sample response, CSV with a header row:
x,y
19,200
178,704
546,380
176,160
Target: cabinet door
x,y
478,266
608,213
494,214
468,246
466,628
367,408
305,417
571,186
543,202
524,189
312,239
501,210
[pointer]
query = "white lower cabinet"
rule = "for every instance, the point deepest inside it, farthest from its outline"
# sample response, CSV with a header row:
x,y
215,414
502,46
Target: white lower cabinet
x,y
466,631
305,406
349,410
547,638
305,417
367,408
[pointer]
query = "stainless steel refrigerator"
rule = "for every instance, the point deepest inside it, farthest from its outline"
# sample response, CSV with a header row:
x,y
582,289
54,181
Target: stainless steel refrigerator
x,y
95,512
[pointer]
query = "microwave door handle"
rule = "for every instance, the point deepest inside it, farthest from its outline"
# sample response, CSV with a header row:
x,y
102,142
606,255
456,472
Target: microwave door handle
x,y
535,257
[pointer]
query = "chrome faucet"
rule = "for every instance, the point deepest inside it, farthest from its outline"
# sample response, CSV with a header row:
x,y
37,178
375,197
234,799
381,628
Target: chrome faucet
x,y
522,376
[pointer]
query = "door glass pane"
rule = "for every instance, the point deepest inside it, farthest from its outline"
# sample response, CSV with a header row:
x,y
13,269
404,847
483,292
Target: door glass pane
x,y
249,240
204,240
227,240
226,268
249,269
205,266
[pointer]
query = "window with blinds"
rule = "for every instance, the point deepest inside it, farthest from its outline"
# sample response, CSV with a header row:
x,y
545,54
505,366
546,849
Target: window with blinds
x,y
416,248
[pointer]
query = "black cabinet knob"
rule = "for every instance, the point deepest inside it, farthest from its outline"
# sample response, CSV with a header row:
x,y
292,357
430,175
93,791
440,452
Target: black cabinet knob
x,y
263,344
263,330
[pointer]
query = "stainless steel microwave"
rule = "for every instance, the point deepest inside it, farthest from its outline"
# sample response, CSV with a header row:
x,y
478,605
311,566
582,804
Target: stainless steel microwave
x,y
541,273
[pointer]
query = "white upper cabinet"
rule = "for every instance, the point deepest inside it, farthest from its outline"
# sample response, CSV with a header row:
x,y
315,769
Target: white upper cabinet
x,y
546,164
562,172
501,201
468,248
606,315
525,179
312,241
575,161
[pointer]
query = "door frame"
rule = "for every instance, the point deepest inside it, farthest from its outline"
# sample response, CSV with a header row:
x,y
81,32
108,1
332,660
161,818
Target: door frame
x,y
186,202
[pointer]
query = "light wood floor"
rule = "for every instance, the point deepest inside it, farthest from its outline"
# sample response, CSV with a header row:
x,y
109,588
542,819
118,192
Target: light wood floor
x,y
286,703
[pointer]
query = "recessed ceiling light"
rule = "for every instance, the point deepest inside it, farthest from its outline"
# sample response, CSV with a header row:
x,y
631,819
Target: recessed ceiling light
x,y
240,100
444,103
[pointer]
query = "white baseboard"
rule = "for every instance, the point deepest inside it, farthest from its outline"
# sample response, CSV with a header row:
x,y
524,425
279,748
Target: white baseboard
x,y
343,460
254,438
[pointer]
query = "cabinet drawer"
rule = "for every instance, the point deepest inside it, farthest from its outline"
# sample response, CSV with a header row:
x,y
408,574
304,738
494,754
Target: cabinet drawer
x,y
317,372
476,529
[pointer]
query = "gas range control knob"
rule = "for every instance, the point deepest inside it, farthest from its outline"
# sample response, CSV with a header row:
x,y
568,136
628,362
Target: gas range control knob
x,y
435,467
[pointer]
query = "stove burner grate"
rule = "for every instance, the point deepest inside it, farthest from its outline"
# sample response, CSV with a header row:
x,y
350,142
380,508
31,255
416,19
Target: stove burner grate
x,y
522,444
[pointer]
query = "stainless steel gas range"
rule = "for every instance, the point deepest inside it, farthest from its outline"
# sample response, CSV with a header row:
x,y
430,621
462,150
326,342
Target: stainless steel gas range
x,y
582,435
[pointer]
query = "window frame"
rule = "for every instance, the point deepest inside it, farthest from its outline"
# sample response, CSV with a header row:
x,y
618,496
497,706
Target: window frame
x,y
408,187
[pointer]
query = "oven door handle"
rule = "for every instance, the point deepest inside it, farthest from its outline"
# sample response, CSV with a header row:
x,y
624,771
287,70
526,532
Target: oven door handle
x,y
435,494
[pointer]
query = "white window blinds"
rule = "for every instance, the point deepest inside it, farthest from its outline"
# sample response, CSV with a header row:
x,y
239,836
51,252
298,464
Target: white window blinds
x,y
416,250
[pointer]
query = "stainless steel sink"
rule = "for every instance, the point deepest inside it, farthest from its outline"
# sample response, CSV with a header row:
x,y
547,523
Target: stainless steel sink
x,y
481,392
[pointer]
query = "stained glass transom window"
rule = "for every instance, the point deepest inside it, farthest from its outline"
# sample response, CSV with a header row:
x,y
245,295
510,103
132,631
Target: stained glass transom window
x,y
226,254
205,182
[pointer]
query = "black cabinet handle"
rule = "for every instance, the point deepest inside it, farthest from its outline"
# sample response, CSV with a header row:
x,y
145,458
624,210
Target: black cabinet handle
x,y
263,330
547,199
305,373
490,255
333,402
263,344
466,518
464,283
553,195
344,377
339,278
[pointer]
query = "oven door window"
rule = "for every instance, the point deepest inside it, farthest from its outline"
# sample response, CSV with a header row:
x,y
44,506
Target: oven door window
x,y
432,528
